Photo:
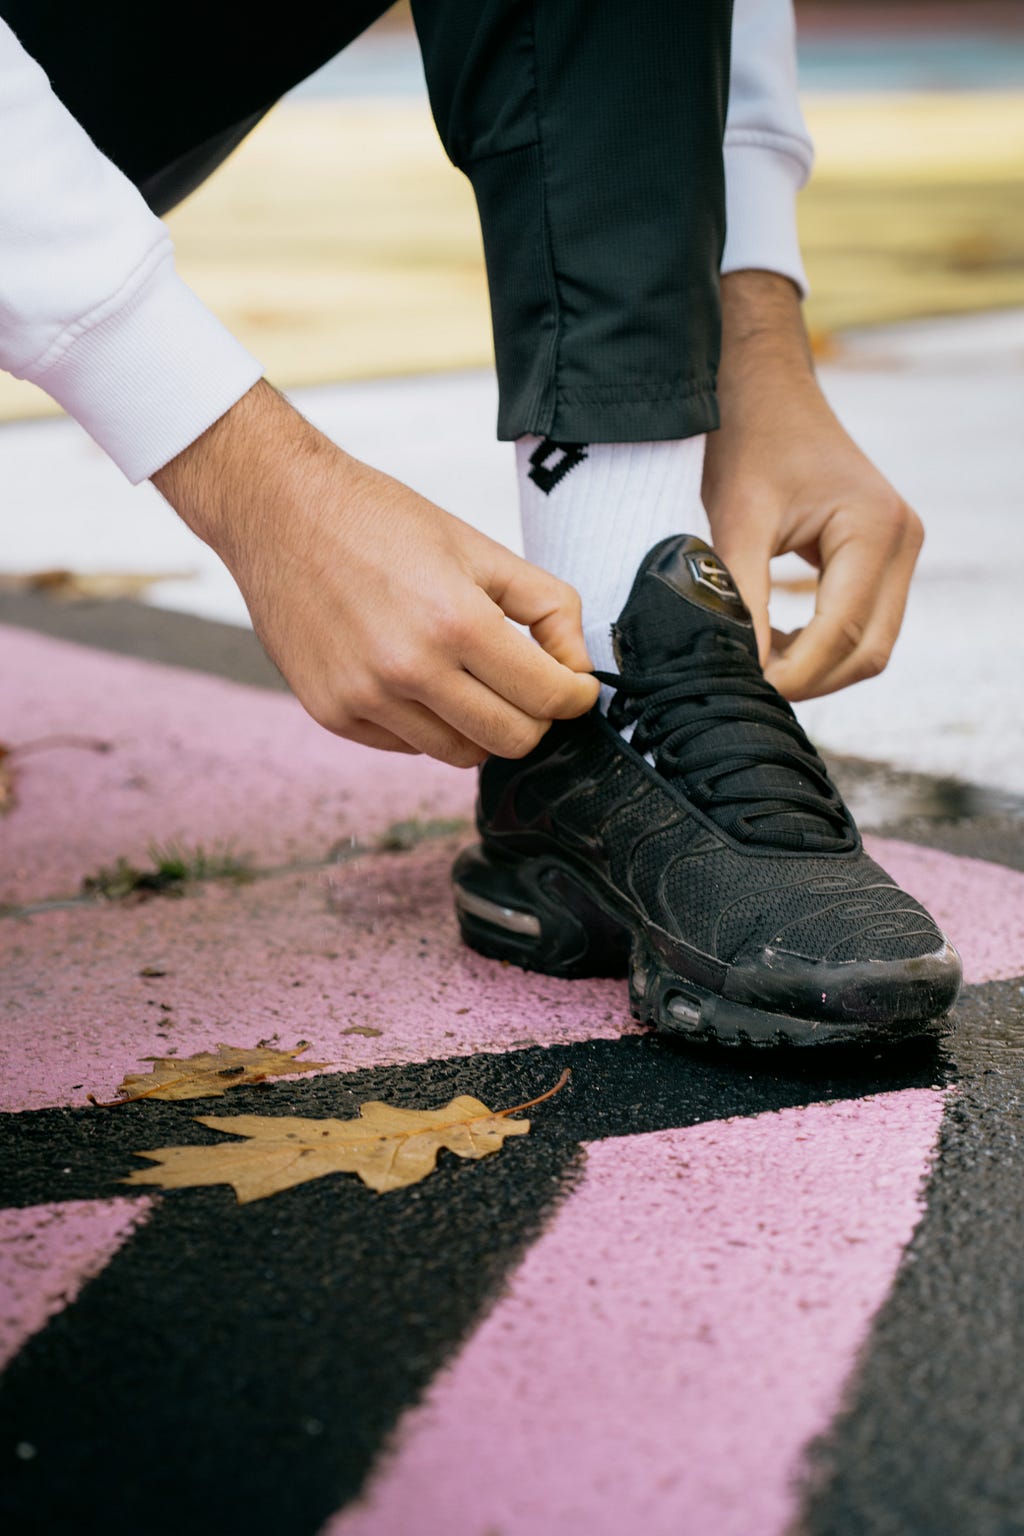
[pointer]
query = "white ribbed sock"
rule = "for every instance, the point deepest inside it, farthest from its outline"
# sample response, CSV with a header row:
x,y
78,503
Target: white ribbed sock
x,y
590,514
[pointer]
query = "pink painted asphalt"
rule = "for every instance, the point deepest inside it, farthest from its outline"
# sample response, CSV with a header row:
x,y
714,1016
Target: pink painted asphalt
x,y
674,1339
371,948
194,759
368,945
48,1252
807,1209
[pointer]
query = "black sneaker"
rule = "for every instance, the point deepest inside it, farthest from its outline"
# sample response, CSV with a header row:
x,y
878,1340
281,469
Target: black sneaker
x,y
710,856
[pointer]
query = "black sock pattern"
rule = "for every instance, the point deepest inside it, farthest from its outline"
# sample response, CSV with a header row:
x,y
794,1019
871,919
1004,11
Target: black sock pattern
x,y
566,457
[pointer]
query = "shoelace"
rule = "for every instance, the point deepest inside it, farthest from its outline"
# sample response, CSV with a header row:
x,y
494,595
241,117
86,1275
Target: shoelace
x,y
703,695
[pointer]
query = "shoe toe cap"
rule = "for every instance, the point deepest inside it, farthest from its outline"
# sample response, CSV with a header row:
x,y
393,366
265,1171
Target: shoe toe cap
x,y
918,983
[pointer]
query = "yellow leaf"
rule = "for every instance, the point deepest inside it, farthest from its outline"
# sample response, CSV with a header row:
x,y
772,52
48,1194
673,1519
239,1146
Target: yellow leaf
x,y
387,1147
209,1074
89,586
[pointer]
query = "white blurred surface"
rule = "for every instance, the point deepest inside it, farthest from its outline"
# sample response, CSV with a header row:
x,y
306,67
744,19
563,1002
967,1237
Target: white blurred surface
x,y
938,405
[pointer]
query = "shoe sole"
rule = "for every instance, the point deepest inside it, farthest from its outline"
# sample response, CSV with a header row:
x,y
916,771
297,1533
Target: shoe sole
x,y
541,914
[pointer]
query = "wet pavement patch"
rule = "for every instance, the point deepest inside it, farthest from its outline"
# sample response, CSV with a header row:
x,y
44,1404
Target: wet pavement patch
x,y
968,820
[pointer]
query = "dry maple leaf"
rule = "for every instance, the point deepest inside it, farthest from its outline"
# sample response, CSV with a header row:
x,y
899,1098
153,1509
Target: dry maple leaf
x,y
41,744
388,1148
89,586
6,780
209,1074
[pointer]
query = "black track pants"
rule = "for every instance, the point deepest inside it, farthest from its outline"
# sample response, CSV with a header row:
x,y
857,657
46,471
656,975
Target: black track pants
x,y
591,131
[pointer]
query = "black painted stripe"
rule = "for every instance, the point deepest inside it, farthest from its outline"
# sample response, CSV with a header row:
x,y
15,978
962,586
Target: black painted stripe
x,y
237,1368
932,1440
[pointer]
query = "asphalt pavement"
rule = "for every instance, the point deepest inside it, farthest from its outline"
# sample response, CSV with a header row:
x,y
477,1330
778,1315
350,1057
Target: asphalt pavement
x,y
708,1293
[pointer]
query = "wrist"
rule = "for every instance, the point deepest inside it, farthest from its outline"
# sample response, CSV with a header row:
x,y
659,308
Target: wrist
x,y
773,412
227,483
198,481
762,326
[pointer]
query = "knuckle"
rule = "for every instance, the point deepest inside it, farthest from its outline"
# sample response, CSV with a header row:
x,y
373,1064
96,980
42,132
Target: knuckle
x,y
569,702
518,740
329,712
360,703
569,598
851,633
450,628
895,514
340,722
552,704
871,664
913,532
397,670
464,755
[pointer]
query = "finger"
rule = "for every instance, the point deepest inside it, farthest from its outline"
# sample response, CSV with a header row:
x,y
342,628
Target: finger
x,y
872,654
520,671
412,722
851,580
369,735
550,608
782,639
479,715
748,560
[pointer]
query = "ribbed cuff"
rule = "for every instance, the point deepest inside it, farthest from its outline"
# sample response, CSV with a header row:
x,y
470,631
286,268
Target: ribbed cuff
x,y
761,183
151,376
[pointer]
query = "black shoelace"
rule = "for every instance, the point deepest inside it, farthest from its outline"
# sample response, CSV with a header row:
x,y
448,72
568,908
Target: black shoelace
x,y
713,721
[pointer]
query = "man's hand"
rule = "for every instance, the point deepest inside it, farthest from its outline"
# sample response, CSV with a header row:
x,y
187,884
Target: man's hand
x,y
387,616
781,474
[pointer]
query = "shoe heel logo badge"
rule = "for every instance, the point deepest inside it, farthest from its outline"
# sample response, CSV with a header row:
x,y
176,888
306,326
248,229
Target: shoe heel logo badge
x,y
708,571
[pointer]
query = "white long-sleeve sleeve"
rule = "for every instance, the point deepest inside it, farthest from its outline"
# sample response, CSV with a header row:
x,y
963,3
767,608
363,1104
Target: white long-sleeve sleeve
x,y
91,308
768,151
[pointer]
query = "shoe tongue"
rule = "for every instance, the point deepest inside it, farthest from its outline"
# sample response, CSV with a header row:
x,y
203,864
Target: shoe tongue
x,y
681,594
684,602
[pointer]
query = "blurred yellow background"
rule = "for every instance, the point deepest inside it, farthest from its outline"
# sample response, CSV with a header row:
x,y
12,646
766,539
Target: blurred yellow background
x,y
338,242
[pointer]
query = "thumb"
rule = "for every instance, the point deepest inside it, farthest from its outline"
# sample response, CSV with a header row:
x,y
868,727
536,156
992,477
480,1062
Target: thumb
x,y
748,563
